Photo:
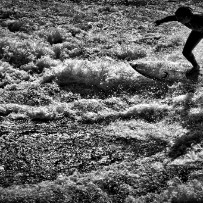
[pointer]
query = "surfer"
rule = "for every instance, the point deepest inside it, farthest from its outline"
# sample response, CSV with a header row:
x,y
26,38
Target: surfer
x,y
185,16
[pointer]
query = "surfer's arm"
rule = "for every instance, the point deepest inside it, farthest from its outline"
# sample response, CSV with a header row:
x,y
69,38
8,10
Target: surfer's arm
x,y
166,19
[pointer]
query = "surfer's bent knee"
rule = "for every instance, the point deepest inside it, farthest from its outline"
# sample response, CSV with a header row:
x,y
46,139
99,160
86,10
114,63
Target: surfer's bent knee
x,y
186,52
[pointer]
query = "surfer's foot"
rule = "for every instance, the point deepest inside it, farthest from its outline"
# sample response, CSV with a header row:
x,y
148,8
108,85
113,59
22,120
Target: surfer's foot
x,y
193,71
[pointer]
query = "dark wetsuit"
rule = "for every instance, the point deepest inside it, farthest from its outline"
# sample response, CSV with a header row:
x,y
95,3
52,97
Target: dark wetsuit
x,y
196,25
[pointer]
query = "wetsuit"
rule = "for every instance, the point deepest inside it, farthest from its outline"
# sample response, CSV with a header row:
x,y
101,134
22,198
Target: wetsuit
x,y
196,25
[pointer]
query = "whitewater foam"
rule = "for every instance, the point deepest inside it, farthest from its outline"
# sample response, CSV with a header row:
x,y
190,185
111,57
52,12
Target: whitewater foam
x,y
103,74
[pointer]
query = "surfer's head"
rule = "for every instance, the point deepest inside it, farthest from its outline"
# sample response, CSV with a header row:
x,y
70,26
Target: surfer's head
x,y
184,14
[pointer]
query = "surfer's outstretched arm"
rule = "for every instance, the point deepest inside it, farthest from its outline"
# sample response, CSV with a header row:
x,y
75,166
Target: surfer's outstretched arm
x,y
166,19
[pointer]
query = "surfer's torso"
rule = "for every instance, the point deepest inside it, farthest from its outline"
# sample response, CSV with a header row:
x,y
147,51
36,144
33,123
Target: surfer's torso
x,y
196,23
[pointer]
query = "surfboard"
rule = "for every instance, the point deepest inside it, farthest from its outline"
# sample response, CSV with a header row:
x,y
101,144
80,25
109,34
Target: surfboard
x,y
164,71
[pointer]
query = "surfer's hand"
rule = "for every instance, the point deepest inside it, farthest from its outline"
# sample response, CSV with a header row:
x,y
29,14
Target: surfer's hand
x,y
157,22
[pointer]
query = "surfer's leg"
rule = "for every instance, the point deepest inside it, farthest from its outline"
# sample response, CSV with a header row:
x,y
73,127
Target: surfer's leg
x,y
192,41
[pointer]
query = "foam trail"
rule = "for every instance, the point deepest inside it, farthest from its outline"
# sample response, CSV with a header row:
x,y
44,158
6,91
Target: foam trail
x,y
150,112
104,74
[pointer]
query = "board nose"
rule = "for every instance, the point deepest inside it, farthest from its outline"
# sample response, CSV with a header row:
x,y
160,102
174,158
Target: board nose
x,y
134,65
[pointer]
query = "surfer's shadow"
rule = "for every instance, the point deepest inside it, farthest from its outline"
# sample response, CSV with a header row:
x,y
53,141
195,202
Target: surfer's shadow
x,y
192,122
